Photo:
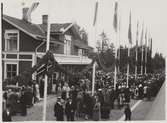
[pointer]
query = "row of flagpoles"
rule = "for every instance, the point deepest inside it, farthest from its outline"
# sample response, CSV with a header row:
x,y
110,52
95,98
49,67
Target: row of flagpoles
x,y
116,27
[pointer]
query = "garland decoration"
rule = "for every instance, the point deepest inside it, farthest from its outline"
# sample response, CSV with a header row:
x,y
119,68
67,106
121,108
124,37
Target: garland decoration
x,y
106,69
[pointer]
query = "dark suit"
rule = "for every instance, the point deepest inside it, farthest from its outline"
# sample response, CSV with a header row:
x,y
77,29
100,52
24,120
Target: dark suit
x,y
59,112
6,116
70,111
127,113
23,102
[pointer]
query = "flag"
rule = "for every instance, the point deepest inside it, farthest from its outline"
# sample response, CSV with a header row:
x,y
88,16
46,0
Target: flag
x,y
31,9
146,38
95,15
130,30
141,39
146,52
151,46
137,33
119,24
115,22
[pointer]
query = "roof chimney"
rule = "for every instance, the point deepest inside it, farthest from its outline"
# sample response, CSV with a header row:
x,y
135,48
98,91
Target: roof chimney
x,y
25,17
45,19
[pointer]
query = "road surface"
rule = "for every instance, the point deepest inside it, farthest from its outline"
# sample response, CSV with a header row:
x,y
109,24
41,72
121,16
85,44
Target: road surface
x,y
139,111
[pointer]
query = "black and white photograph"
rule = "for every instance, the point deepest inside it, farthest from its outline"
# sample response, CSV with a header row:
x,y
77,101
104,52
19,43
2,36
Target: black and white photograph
x,y
83,60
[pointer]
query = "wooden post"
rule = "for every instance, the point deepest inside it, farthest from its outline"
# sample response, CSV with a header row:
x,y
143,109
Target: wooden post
x,y
46,77
93,78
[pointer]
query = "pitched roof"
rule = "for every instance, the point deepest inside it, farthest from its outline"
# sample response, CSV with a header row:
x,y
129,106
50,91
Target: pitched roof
x,y
29,28
38,31
55,27
81,44
35,30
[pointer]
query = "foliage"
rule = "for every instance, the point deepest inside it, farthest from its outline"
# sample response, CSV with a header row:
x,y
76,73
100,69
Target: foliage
x,y
158,62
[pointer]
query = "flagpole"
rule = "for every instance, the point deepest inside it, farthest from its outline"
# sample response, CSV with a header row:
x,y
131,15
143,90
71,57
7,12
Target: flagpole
x,y
93,78
146,55
146,61
1,14
115,72
127,78
136,61
46,77
119,49
115,25
129,47
136,51
94,64
142,51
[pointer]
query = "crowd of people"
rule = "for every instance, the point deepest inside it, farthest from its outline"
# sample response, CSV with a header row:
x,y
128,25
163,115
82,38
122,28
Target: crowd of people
x,y
76,100
99,105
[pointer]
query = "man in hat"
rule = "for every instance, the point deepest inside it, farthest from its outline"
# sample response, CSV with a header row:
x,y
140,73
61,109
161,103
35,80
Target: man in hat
x,y
127,112
70,109
6,116
59,110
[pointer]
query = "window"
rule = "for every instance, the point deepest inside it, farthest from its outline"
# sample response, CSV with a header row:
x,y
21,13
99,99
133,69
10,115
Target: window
x,y
55,77
11,70
80,52
67,46
11,40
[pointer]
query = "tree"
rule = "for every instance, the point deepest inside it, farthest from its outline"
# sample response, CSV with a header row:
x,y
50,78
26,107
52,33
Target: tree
x,y
84,35
158,62
105,53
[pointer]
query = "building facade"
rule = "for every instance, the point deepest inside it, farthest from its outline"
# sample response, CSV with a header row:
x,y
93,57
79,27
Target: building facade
x,y
24,42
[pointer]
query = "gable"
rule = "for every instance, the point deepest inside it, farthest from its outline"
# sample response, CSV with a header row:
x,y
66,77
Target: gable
x,y
32,30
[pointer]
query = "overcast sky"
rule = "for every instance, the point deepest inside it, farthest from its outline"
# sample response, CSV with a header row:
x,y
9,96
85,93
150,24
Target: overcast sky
x,y
151,12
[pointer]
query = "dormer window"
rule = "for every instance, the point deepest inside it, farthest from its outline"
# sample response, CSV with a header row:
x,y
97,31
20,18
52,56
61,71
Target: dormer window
x,y
11,40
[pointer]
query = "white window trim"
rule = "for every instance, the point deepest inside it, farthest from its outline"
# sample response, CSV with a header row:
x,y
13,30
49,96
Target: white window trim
x,y
18,38
10,62
68,40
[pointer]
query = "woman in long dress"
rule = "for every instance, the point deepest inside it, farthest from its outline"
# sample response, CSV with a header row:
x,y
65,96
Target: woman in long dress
x,y
96,110
37,92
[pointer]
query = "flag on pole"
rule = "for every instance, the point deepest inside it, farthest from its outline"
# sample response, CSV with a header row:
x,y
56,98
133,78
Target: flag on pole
x,y
119,24
146,37
151,46
115,22
119,49
141,42
146,52
115,25
130,30
141,39
31,9
146,46
95,15
137,33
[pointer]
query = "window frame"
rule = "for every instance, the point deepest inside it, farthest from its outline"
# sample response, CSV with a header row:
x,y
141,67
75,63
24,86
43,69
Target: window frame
x,y
11,63
18,38
68,42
